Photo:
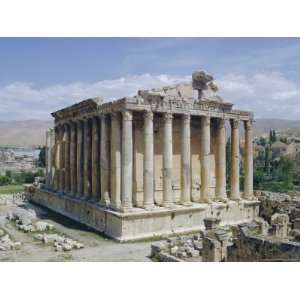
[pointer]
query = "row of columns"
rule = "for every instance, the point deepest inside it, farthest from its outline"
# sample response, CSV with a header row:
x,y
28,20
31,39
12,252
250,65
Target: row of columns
x,y
96,161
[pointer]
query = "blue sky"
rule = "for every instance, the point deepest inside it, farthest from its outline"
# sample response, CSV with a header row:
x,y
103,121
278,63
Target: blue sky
x,y
40,75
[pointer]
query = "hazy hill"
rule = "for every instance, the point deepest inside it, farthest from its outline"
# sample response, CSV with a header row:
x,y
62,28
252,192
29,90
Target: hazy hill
x,y
32,132
262,126
27,133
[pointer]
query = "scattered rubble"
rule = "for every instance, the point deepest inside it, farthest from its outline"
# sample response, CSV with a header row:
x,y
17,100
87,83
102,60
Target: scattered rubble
x,y
60,243
25,220
253,241
6,243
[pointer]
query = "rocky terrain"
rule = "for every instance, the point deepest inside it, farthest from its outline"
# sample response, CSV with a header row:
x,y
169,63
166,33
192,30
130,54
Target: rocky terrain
x,y
30,233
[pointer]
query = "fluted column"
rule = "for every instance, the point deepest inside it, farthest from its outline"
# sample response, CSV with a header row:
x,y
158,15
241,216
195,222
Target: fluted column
x,y
127,161
248,161
221,161
87,153
186,160
115,166
67,157
61,183
167,160
235,161
79,162
73,160
95,159
104,161
148,161
205,159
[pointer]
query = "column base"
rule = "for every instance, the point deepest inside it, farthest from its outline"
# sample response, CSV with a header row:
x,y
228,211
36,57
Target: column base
x,y
187,203
126,209
149,206
235,198
222,199
206,200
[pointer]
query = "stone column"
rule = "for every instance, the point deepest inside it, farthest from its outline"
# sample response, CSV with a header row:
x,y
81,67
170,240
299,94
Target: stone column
x,y
51,158
115,156
61,183
205,159
87,154
127,161
167,160
235,161
104,161
248,161
221,161
47,148
73,160
56,159
186,160
95,159
67,158
148,161
79,162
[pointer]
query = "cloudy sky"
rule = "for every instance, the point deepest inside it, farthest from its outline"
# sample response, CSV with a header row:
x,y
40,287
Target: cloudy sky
x,y
41,75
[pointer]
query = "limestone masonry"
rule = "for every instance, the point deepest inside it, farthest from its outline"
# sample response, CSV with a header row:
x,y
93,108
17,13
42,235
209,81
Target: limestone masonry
x,y
151,164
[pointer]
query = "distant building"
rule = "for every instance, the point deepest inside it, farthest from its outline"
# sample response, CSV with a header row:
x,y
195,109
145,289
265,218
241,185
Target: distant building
x,y
294,149
280,147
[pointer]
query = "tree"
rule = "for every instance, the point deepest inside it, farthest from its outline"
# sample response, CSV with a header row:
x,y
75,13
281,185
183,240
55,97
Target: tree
x,y
42,157
262,141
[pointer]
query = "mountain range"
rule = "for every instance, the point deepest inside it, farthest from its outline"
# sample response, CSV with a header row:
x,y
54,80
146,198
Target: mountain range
x,y
31,133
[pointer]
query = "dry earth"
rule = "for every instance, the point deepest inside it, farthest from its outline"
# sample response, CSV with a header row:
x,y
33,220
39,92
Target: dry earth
x,y
96,247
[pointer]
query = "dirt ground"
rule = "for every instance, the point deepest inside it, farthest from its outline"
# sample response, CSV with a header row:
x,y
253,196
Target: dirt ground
x,y
96,247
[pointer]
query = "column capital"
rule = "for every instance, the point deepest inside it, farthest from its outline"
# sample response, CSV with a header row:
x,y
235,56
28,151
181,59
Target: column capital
x,y
127,115
114,115
186,118
168,116
234,123
205,120
221,123
148,115
248,124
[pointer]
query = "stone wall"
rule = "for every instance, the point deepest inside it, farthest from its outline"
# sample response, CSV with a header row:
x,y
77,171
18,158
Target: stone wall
x,y
248,247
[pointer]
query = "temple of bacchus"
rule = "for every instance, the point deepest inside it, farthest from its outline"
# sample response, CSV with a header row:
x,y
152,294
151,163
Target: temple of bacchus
x,y
151,164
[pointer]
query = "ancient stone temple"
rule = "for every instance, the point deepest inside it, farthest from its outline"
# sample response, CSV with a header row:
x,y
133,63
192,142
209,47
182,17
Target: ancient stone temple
x,y
151,164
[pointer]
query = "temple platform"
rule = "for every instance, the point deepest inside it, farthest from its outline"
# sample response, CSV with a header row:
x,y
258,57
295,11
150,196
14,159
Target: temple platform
x,y
139,223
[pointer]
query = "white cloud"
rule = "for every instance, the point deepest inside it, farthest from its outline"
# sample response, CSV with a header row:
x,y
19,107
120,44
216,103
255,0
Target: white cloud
x,y
266,94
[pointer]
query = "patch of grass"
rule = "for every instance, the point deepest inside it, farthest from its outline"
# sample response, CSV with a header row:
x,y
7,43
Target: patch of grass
x,y
11,189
